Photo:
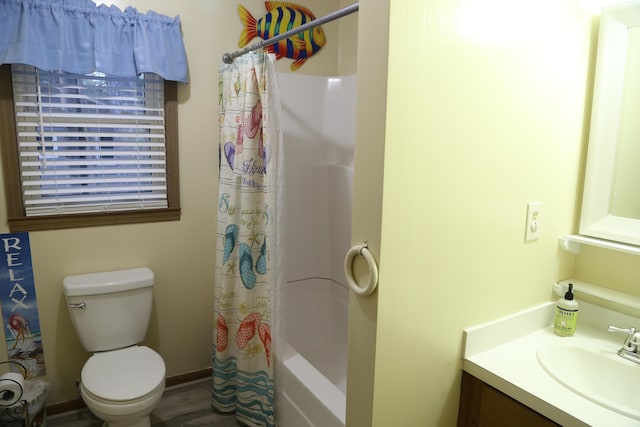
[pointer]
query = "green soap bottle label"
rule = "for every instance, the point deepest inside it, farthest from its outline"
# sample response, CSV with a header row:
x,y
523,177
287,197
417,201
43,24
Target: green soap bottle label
x,y
565,322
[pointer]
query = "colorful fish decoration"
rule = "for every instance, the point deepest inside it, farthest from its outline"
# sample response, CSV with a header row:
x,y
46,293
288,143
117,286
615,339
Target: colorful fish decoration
x,y
282,17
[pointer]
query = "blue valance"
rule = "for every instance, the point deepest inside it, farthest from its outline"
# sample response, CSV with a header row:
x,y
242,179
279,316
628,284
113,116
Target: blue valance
x,y
79,37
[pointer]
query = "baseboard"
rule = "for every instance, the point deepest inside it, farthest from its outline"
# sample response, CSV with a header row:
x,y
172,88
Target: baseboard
x,y
71,405
188,377
74,405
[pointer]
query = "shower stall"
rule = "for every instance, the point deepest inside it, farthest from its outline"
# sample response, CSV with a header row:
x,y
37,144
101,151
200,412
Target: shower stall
x,y
318,121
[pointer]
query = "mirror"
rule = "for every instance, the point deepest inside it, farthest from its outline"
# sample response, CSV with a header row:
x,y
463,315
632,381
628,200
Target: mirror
x,y
611,200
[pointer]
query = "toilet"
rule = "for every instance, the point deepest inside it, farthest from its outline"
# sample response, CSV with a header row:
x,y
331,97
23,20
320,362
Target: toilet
x,y
123,381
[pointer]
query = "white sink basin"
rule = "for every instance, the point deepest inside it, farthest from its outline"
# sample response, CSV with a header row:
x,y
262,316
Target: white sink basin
x,y
596,374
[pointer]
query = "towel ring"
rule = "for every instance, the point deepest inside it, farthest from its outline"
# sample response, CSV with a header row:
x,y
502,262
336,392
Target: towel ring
x,y
364,252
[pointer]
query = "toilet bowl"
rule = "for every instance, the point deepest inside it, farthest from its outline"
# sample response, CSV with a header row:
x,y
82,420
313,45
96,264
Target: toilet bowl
x,y
123,380
123,386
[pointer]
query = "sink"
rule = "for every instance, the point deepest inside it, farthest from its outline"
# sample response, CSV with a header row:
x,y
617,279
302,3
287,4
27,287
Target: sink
x,y
597,374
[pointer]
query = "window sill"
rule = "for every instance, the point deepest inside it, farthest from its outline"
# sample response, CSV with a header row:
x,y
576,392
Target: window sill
x,y
55,222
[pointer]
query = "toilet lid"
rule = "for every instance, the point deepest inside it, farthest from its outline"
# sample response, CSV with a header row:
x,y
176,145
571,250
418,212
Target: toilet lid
x,y
124,374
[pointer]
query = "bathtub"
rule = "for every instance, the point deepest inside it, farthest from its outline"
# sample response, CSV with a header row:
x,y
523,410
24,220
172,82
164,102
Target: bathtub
x,y
313,368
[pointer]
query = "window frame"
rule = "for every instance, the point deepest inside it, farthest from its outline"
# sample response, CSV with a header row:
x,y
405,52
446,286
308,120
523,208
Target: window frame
x,y
16,217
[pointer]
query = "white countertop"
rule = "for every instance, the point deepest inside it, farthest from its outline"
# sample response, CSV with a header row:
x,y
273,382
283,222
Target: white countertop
x,y
503,354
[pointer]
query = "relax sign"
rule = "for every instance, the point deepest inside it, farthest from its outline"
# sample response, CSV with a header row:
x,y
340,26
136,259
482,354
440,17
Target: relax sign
x,y
19,306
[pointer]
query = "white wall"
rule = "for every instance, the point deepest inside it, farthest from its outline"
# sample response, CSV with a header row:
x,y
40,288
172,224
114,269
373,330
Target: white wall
x,y
318,124
319,132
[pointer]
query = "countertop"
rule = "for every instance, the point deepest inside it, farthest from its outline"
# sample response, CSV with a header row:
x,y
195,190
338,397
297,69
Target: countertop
x,y
503,354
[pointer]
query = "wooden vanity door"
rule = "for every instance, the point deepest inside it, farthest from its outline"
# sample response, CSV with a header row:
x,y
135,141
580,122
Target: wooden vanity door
x,y
483,406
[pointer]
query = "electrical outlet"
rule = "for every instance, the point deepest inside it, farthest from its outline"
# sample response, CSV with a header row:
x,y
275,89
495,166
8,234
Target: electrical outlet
x,y
534,226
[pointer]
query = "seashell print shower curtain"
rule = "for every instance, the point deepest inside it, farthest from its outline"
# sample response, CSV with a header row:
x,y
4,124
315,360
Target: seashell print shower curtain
x,y
248,254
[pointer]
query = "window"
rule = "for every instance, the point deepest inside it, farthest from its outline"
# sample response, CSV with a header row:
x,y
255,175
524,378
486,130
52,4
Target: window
x,y
85,150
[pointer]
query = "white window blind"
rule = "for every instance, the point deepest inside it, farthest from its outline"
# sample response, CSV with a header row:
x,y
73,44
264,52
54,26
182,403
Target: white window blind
x,y
89,143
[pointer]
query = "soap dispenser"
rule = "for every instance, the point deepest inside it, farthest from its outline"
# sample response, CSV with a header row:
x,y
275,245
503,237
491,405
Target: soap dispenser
x,y
566,314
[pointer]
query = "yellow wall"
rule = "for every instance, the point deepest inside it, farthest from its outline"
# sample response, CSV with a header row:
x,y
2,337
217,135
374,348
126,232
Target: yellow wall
x,y
180,253
486,106
603,267
348,41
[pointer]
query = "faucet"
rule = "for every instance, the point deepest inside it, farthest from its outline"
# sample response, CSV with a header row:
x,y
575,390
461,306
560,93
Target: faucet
x,y
630,349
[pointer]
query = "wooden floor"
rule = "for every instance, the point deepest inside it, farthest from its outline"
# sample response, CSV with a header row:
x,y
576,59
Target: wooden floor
x,y
184,405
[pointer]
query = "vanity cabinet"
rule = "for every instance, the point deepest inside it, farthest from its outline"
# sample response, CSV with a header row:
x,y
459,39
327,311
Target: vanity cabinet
x,y
483,406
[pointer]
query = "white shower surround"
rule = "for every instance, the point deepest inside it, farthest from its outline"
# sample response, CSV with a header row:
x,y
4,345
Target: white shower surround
x,y
318,119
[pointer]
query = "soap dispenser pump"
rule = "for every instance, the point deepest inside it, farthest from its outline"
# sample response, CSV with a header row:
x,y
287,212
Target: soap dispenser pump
x,y
566,314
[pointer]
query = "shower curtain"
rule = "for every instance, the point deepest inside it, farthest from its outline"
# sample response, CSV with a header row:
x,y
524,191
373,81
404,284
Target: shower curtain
x,y
248,255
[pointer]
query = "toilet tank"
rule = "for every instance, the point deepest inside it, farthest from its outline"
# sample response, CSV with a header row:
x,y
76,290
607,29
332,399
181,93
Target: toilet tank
x,y
110,310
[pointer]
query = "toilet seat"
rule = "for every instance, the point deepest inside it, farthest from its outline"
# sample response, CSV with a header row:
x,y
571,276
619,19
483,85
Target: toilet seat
x,y
123,375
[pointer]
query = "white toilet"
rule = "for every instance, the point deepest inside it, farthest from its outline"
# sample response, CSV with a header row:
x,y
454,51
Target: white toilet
x,y
122,381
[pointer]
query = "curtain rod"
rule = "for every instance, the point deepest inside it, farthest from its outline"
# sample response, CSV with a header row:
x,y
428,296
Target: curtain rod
x,y
228,58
